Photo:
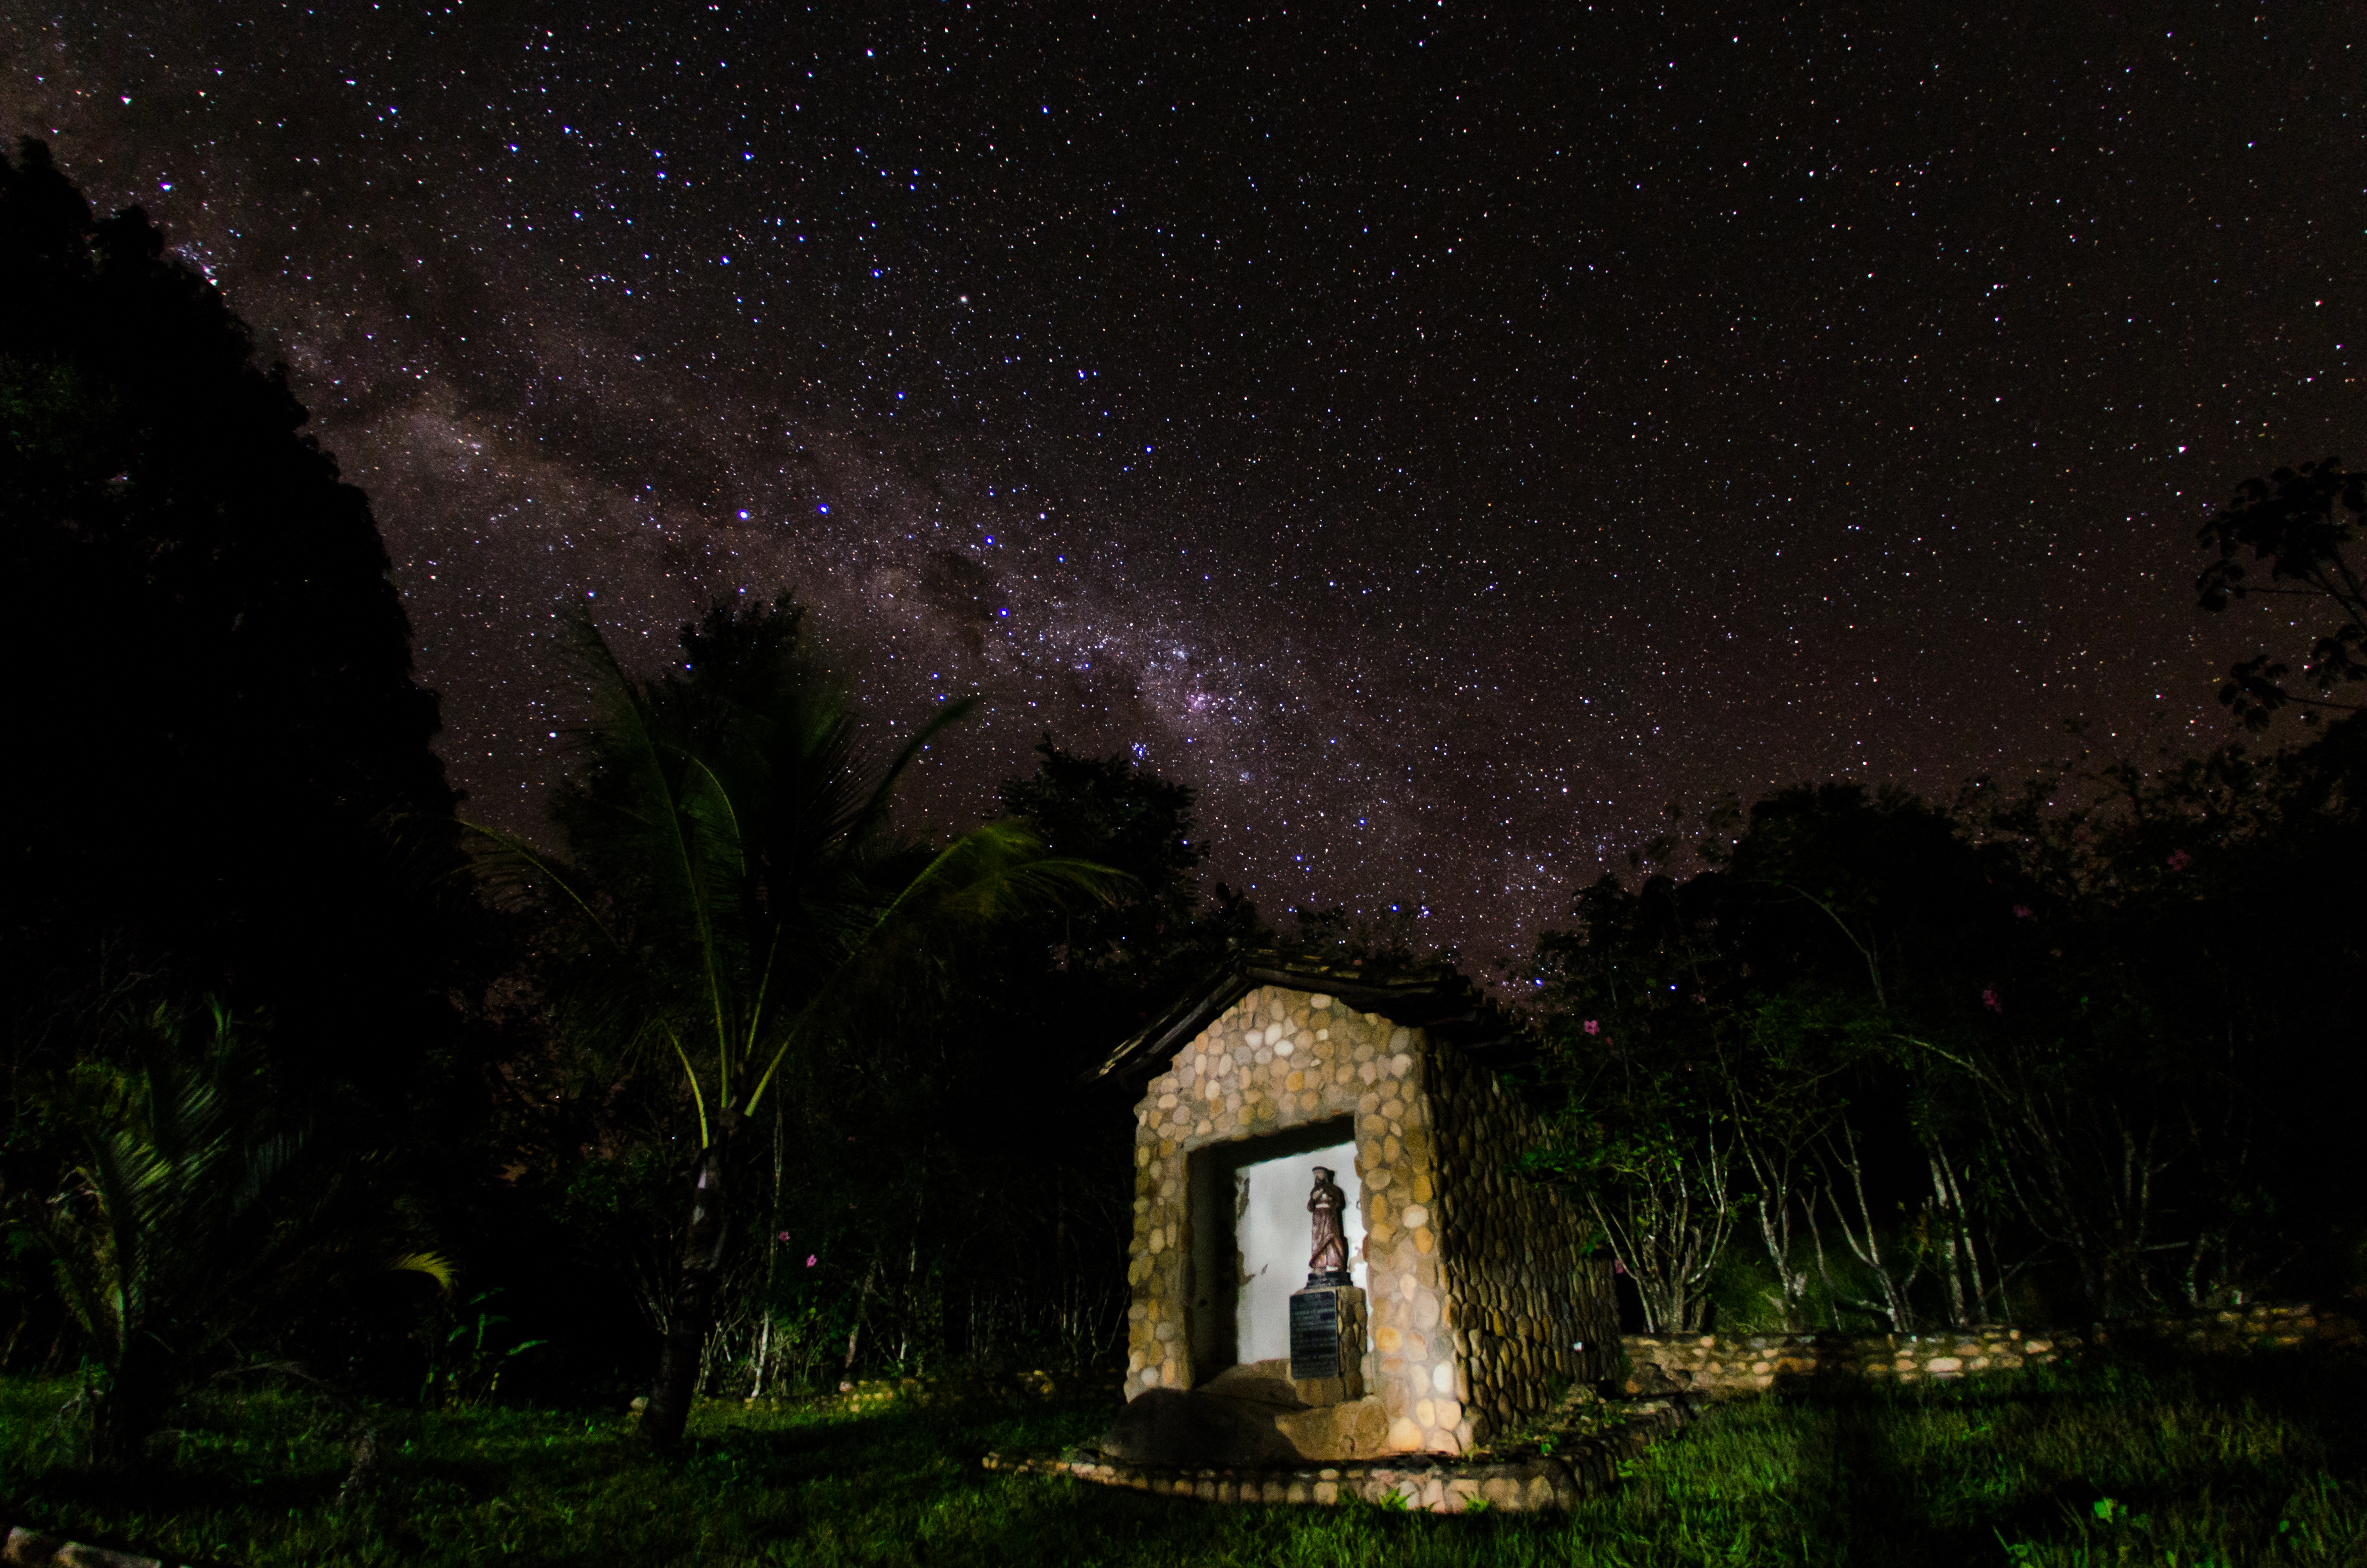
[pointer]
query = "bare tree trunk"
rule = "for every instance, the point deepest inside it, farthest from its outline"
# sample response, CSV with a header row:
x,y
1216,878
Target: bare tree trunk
x,y
1943,1176
772,1260
2079,1169
1625,1243
855,1334
1865,1238
1773,1172
908,1319
697,1283
1669,1236
1824,1267
1944,1210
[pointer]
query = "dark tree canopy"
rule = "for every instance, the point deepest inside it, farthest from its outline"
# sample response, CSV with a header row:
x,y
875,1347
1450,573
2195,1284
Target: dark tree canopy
x,y
223,779
1108,809
2299,527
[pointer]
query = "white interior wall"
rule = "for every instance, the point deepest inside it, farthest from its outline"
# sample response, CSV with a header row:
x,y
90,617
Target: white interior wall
x,y
1274,1231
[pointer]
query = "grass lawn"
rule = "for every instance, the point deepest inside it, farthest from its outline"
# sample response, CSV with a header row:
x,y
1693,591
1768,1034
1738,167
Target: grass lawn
x,y
2234,1462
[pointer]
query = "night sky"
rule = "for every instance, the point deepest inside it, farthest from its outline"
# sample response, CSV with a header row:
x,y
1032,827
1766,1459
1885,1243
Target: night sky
x,y
1441,434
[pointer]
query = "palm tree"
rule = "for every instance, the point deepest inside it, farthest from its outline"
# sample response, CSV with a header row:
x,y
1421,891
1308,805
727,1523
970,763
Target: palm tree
x,y
187,1221
737,900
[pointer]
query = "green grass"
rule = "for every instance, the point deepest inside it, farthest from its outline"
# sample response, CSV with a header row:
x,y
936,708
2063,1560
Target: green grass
x,y
2262,1461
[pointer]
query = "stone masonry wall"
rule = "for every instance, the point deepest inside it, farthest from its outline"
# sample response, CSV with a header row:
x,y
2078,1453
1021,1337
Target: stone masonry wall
x,y
1276,1060
1726,1365
1523,1296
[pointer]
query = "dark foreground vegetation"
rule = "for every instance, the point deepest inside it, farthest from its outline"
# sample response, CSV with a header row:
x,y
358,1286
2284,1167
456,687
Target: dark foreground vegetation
x,y
2201,1466
329,1109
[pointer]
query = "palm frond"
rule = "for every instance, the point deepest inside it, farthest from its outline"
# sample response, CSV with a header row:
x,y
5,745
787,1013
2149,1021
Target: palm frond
x,y
975,884
265,1165
518,861
874,809
434,1265
988,874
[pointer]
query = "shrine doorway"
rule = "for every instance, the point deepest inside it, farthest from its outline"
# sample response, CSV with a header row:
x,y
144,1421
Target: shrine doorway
x,y
1250,1236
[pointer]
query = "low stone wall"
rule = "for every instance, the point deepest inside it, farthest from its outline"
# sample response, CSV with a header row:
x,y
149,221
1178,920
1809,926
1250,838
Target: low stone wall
x,y
1010,1388
1730,1364
1438,1484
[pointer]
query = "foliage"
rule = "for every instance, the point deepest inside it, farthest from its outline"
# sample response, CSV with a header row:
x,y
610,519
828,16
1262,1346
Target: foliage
x,y
734,904
974,1210
235,793
194,1216
2204,952
1109,812
2292,523
227,790
734,893
1385,943
2035,1048
1644,1130
467,1353
978,1175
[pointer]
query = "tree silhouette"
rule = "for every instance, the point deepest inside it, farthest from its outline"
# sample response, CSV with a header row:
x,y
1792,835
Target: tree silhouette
x,y
737,905
194,1212
2294,524
222,773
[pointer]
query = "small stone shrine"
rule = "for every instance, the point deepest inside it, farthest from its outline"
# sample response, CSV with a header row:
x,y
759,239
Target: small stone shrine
x,y
1335,1255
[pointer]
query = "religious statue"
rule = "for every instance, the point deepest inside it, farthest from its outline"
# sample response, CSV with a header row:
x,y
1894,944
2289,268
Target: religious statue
x,y
1328,1262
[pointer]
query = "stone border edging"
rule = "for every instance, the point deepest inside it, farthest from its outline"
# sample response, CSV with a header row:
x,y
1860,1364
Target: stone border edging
x,y
30,1549
1711,1364
1437,1483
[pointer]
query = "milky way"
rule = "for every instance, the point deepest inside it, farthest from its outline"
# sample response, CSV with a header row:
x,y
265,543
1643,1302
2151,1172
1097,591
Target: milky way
x,y
1441,435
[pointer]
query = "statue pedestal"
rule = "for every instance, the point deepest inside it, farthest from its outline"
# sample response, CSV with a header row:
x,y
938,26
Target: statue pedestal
x,y
1327,1343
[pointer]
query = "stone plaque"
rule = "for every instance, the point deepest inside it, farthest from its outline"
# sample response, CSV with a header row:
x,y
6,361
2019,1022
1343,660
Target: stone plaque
x,y
1314,1334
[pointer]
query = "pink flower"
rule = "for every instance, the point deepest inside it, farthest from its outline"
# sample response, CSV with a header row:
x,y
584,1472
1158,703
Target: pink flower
x,y
2179,860
1592,1027
1618,1266
813,1258
785,1235
1989,1000
2022,912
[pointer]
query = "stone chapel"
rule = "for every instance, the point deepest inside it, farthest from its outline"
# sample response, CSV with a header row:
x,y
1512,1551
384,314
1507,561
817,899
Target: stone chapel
x,y
1479,1307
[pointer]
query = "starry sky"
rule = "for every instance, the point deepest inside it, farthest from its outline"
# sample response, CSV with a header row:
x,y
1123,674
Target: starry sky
x,y
1442,434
